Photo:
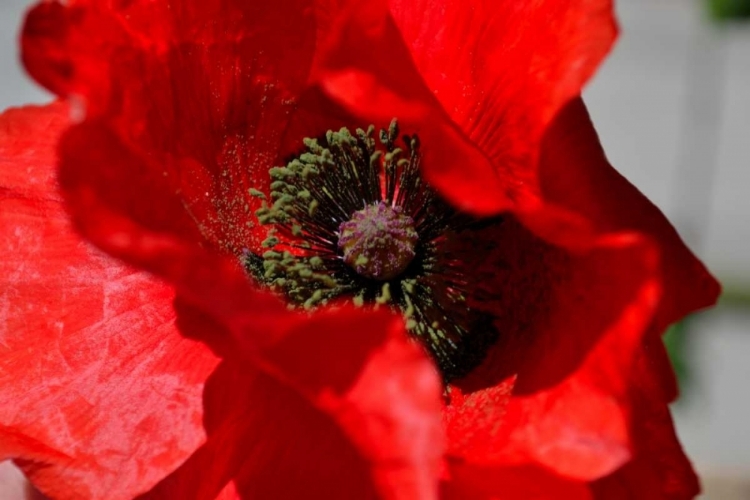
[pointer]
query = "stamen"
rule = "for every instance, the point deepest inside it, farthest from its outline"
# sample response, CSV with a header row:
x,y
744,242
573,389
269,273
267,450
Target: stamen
x,y
353,219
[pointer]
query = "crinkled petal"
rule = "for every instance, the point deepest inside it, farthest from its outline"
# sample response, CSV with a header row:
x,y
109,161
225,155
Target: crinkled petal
x,y
502,70
343,406
100,395
184,115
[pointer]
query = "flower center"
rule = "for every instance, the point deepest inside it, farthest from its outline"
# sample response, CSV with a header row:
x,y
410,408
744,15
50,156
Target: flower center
x,y
378,241
350,219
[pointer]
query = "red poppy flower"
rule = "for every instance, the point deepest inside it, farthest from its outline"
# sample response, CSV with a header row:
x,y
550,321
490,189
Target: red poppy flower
x,y
541,298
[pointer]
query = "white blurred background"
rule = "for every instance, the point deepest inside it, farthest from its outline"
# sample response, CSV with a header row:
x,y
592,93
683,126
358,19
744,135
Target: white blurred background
x,y
672,107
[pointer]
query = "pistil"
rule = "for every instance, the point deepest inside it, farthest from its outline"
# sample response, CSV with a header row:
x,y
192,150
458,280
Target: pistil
x,y
378,241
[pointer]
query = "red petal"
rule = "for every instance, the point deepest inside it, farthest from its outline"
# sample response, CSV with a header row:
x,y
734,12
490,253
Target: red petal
x,y
552,303
351,408
495,73
502,70
570,354
191,113
364,65
100,394
510,483
587,314
183,117
659,469
576,175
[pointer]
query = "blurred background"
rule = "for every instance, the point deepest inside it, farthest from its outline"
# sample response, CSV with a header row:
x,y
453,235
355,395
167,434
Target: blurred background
x,y
672,107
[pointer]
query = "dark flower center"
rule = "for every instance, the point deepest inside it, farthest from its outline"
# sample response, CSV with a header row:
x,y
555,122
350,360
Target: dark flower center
x,y
352,218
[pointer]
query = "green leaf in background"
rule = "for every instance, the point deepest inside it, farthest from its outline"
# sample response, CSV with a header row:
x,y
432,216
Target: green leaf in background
x,y
676,340
678,336
729,9
736,296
